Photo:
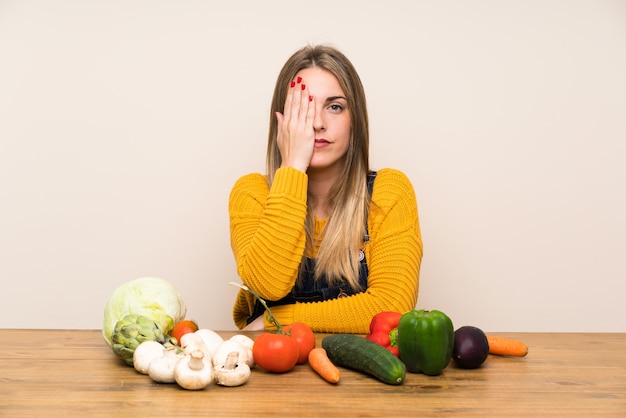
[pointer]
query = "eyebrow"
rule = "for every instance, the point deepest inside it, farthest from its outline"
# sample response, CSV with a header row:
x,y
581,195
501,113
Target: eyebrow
x,y
333,98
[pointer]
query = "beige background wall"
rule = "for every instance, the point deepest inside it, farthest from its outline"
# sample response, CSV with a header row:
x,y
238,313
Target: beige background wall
x,y
123,125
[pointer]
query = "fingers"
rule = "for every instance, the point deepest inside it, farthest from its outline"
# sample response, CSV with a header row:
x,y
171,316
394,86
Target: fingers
x,y
295,136
299,110
289,99
310,116
305,106
297,101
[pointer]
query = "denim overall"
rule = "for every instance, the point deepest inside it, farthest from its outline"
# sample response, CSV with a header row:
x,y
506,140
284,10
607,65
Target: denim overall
x,y
317,291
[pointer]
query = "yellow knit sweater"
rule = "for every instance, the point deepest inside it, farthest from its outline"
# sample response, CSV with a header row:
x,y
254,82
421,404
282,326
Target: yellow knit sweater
x,y
267,238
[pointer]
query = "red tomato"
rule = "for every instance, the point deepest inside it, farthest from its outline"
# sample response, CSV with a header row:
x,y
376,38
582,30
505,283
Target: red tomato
x,y
182,328
305,338
276,353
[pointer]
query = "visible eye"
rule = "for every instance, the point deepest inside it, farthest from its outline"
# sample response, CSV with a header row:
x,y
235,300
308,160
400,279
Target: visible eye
x,y
335,108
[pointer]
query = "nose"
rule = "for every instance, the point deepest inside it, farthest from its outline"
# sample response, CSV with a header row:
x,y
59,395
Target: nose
x,y
318,122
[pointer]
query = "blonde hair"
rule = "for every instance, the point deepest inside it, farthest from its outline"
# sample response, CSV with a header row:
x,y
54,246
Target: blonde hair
x,y
338,255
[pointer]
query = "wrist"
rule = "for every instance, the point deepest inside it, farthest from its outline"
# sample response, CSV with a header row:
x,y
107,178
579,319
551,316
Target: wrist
x,y
300,167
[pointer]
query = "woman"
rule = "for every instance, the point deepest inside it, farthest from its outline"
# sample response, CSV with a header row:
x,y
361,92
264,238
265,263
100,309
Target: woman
x,y
320,237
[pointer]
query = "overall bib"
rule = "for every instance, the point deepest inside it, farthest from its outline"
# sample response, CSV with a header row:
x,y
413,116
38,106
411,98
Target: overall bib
x,y
316,291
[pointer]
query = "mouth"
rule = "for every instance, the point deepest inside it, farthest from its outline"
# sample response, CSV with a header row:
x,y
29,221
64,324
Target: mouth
x,y
321,141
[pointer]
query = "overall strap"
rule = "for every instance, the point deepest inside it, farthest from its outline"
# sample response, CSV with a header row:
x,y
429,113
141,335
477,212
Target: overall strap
x,y
371,176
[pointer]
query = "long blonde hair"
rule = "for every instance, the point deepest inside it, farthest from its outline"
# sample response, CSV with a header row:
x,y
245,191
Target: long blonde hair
x,y
338,255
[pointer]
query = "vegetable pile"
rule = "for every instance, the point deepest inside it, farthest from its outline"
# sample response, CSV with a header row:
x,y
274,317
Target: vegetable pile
x,y
151,297
145,326
418,341
202,358
426,341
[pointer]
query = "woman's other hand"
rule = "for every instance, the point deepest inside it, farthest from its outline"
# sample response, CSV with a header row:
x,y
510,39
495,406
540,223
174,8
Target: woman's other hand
x,y
256,325
296,137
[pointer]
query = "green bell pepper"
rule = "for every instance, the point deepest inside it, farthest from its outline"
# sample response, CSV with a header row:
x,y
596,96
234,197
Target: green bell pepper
x,y
425,341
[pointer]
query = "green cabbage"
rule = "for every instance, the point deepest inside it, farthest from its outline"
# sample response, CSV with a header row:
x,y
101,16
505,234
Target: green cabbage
x,y
151,297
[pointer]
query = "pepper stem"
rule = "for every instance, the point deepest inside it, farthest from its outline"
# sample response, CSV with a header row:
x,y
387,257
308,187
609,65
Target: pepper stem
x,y
268,312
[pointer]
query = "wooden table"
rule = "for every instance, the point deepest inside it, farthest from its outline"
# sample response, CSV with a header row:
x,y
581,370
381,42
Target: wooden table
x,y
62,373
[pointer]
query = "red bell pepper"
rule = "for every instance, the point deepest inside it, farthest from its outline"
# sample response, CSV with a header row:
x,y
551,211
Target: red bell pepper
x,y
384,330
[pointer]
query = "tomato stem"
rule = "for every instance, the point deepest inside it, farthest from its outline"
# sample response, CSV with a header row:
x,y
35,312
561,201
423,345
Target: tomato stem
x,y
268,312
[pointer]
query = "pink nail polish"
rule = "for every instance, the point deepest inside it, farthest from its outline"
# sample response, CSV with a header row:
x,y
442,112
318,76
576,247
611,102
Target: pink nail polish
x,y
303,86
293,83
299,80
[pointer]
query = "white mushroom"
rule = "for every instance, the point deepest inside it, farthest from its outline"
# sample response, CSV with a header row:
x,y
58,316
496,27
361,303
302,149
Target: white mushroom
x,y
162,368
192,342
232,372
145,353
227,347
193,371
211,340
248,343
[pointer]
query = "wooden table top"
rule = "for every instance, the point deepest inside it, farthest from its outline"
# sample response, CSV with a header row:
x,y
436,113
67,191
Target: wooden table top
x,y
61,373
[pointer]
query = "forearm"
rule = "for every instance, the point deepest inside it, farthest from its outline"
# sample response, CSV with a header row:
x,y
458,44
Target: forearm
x,y
394,257
267,234
393,285
344,315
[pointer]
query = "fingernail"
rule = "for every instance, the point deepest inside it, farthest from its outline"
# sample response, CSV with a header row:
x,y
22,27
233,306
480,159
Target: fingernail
x,y
299,79
303,86
293,83
310,98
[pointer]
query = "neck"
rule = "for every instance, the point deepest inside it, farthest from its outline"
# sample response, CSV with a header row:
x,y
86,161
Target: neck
x,y
320,183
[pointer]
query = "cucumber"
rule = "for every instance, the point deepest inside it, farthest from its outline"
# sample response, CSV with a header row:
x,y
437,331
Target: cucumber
x,y
365,356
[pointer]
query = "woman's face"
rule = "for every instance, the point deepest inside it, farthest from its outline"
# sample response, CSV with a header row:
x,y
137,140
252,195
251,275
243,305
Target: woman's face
x,y
332,118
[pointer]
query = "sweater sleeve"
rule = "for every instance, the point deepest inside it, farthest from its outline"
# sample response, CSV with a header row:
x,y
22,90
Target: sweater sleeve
x,y
394,256
267,234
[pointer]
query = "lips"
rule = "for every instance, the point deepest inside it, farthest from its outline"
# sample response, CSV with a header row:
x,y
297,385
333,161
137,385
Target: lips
x,y
321,143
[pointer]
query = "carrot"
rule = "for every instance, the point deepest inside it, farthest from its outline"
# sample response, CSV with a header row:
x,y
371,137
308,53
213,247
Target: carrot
x,y
506,346
319,361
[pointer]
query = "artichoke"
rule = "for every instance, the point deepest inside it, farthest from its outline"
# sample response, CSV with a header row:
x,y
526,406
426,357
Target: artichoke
x,y
131,331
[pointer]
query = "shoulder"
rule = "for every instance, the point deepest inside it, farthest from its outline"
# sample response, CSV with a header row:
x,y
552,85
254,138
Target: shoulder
x,y
392,182
252,179
253,183
394,206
